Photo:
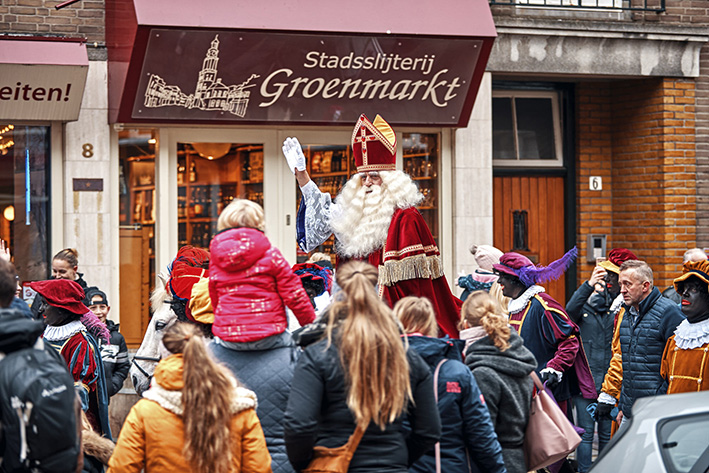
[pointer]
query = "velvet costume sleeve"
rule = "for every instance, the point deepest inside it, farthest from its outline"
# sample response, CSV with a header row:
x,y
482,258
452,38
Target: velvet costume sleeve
x,y
82,363
559,330
291,289
665,365
129,454
614,376
480,437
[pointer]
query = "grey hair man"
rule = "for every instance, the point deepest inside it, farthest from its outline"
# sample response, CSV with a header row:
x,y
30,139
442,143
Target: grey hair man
x,y
645,323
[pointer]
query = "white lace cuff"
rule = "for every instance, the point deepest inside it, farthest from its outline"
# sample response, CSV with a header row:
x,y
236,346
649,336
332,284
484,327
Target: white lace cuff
x,y
606,398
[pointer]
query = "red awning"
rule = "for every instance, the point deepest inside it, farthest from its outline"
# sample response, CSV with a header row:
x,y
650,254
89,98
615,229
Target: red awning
x,y
42,78
308,61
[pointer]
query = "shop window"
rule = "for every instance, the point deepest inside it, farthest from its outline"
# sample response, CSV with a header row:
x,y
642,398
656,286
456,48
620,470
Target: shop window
x,y
24,197
136,183
526,129
209,177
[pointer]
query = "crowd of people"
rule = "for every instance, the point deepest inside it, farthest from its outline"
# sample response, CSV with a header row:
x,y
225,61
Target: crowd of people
x,y
371,357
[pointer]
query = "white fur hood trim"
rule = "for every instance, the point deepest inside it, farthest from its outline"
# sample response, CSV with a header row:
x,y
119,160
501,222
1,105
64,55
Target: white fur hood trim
x,y
242,400
521,302
689,336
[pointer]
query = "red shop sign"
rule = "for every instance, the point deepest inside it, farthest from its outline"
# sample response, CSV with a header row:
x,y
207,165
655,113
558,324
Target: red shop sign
x,y
235,76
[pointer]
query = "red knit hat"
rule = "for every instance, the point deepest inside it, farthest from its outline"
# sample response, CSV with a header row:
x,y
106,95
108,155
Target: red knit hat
x,y
185,271
62,293
374,145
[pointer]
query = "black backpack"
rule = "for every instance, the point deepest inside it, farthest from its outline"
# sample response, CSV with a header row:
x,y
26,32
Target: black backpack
x,y
38,413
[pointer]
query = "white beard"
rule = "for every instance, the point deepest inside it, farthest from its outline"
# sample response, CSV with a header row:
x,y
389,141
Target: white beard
x,y
363,225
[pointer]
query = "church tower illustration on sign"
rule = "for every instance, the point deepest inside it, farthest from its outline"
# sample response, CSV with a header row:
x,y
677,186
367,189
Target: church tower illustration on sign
x,y
210,94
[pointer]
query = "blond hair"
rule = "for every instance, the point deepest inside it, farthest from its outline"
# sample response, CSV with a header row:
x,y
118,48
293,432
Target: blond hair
x,y
371,350
241,213
317,256
416,314
206,399
481,310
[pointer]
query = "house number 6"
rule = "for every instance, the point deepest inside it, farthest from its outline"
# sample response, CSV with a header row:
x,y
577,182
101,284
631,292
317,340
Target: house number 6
x,y
87,150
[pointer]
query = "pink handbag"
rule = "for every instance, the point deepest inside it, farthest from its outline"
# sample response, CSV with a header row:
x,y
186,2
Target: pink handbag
x,y
549,436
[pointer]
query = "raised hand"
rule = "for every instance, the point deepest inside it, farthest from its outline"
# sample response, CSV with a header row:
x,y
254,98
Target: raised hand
x,y
4,251
294,154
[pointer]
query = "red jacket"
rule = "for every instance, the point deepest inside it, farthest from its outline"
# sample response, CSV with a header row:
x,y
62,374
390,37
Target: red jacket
x,y
249,282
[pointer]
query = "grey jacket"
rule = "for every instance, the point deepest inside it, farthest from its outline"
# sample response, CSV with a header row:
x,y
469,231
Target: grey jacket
x,y
503,378
265,367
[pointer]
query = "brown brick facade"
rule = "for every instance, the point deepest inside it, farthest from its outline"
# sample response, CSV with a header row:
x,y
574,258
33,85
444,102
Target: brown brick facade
x,y
40,18
639,135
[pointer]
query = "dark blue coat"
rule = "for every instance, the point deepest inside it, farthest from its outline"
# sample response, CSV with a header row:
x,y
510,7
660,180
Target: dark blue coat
x,y
642,343
465,419
590,310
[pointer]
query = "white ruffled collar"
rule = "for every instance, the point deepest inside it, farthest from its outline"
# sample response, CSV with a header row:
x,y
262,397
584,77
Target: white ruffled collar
x,y
616,304
62,332
689,336
172,400
516,305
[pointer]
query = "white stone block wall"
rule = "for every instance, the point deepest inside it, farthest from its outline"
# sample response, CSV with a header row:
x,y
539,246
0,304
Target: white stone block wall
x,y
472,182
87,216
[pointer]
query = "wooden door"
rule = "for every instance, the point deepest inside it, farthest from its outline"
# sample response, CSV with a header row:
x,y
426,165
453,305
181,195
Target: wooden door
x,y
134,283
529,218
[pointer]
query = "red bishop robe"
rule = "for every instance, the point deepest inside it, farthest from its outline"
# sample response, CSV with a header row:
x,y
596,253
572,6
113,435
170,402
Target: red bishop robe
x,y
410,265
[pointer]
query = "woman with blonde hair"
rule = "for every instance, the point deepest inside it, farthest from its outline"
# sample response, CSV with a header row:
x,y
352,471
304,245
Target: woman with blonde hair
x,y
361,375
501,365
195,417
467,434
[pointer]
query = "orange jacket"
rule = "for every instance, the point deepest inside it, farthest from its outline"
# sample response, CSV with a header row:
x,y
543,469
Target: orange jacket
x,y
152,436
614,376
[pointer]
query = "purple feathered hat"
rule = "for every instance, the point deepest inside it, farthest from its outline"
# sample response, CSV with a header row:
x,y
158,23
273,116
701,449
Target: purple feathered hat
x,y
522,267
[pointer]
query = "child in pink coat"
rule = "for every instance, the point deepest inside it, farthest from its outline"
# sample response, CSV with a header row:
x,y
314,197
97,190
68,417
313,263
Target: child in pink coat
x,y
250,282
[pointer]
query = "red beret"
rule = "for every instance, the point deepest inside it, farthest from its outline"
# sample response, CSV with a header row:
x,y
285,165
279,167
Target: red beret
x,y
62,293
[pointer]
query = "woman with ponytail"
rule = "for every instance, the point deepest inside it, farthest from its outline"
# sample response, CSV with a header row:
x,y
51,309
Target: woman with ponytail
x,y
467,434
195,417
501,365
361,375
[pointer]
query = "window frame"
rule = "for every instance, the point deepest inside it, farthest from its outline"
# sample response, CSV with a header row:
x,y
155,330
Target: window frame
x,y
672,424
556,125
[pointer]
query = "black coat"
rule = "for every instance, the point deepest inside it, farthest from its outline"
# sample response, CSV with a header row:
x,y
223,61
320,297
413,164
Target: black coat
x,y
115,359
590,310
317,414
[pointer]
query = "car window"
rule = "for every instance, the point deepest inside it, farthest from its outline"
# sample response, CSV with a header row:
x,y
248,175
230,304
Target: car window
x,y
683,441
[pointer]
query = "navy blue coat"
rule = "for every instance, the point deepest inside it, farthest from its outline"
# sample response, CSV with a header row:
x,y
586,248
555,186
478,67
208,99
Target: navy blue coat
x,y
642,343
465,419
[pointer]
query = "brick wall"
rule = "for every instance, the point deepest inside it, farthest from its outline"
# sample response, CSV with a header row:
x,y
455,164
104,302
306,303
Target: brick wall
x,y
645,146
39,17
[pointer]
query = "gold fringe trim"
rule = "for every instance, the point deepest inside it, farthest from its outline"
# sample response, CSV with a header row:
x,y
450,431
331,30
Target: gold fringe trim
x,y
412,267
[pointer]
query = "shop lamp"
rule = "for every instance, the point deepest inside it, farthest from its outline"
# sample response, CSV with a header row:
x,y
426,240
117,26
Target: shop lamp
x,y
212,151
9,213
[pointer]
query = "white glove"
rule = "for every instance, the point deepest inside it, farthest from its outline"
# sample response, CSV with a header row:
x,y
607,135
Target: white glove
x,y
294,154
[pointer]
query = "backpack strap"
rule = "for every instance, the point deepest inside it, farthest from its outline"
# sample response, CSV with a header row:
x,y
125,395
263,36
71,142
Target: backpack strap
x,y
435,394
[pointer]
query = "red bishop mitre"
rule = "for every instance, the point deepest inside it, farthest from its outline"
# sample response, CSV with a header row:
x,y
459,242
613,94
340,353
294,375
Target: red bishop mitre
x,y
374,145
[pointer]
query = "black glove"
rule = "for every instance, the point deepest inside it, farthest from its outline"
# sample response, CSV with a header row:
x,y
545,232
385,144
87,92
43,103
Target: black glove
x,y
551,377
603,411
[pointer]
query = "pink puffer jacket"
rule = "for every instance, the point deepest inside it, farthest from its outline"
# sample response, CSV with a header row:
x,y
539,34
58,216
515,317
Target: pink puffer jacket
x,y
249,282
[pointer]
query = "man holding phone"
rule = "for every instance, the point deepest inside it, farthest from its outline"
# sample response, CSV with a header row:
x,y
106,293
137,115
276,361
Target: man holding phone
x,y
593,307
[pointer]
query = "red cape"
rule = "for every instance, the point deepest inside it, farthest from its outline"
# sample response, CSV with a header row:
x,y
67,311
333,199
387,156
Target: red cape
x,y
410,265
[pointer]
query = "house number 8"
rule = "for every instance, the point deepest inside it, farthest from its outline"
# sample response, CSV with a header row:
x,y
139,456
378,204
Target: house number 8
x,y
87,150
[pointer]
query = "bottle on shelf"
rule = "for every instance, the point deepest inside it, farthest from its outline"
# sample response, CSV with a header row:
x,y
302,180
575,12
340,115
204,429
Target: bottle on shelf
x,y
193,172
246,169
180,173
